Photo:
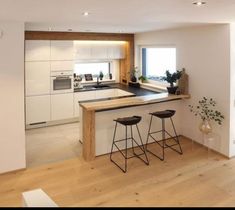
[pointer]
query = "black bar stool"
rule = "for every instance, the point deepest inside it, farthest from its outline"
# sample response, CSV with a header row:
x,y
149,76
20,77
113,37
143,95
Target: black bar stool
x,y
162,143
128,121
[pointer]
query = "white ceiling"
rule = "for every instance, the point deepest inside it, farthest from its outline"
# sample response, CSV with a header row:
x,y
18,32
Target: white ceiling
x,y
130,16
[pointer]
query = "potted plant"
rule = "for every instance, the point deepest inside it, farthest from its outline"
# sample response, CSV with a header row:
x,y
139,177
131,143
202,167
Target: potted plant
x,y
133,74
206,111
142,78
101,75
172,78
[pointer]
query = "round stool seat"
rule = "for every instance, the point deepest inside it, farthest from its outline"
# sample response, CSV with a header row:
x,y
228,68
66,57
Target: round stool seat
x,y
129,120
164,114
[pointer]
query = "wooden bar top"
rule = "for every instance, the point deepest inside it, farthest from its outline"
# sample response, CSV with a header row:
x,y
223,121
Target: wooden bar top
x,y
130,101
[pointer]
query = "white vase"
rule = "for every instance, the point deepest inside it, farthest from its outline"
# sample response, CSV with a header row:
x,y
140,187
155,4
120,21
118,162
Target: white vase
x,y
205,127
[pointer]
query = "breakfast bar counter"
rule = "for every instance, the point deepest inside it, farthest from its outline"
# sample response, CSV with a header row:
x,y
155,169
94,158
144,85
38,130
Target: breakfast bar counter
x,y
97,118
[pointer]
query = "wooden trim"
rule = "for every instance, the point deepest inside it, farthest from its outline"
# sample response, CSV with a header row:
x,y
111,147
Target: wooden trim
x,y
88,149
45,35
126,64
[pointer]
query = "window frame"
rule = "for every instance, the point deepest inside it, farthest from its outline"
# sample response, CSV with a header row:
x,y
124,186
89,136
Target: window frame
x,y
154,82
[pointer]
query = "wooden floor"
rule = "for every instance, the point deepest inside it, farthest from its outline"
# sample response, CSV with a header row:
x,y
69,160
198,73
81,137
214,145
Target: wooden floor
x,y
192,179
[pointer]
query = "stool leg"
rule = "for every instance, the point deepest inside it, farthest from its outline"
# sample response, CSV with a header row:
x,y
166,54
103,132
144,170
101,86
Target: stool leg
x,y
126,154
149,133
132,141
163,139
177,139
114,135
143,149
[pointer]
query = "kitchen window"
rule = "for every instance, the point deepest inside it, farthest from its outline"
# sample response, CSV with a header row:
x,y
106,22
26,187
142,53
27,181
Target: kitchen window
x,y
155,62
93,68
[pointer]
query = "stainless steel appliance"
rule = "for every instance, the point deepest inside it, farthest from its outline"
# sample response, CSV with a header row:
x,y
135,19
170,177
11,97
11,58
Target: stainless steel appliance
x,y
61,82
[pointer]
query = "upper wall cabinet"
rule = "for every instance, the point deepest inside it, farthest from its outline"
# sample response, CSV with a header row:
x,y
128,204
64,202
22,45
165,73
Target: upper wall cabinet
x,y
37,50
99,50
62,50
116,51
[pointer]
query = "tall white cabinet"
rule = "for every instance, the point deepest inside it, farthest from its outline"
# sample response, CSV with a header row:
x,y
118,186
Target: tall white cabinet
x,y
37,81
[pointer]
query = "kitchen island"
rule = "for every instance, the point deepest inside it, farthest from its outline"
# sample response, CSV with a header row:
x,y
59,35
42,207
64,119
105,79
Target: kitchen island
x,y
97,119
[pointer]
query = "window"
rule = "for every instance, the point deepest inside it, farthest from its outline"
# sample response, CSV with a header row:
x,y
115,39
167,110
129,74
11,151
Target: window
x,y
156,60
93,68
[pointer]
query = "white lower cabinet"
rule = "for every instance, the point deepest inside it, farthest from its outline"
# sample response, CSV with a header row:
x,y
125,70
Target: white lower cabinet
x,y
38,109
82,96
62,106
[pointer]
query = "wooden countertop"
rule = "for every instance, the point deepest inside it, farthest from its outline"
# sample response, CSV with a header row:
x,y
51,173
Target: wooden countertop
x,y
131,101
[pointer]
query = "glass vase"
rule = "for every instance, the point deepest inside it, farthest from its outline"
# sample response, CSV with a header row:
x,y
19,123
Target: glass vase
x,y
205,127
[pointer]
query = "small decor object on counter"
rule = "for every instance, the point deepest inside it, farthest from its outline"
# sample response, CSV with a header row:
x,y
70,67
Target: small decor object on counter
x,y
101,75
88,77
110,76
172,78
183,83
206,111
133,74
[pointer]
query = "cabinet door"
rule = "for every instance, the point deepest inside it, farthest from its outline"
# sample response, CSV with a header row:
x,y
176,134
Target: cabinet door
x,y
62,50
62,65
82,51
99,51
37,78
36,50
116,51
82,96
105,93
38,109
62,106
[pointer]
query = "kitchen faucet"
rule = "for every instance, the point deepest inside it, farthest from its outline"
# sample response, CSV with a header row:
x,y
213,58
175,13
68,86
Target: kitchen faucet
x,y
98,83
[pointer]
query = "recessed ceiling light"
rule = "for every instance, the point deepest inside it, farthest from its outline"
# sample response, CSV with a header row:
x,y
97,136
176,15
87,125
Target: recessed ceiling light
x,y
85,13
199,3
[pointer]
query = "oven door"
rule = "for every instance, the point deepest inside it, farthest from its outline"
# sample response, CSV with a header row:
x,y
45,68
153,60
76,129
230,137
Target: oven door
x,y
61,84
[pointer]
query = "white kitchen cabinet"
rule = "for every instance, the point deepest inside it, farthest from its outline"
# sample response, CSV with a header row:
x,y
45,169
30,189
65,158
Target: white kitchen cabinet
x,y
38,109
62,106
99,51
37,78
116,51
82,96
37,50
62,50
62,65
83,51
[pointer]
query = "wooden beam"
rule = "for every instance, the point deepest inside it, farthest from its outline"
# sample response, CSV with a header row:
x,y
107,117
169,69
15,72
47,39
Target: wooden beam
x,y
88,149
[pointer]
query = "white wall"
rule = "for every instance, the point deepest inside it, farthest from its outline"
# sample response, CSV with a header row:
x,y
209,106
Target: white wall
x,y
12,133
232,92
205,54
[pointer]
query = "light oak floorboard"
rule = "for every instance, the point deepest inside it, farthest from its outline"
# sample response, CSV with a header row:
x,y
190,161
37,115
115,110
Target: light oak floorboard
x,y
191,179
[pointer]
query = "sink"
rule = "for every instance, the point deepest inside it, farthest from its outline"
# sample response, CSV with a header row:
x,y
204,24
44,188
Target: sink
x,y
100,86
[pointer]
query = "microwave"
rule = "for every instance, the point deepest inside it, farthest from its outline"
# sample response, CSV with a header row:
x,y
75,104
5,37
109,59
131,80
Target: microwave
x,y
61,82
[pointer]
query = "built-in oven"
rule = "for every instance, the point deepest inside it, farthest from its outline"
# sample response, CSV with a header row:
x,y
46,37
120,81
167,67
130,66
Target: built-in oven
x,y
61,82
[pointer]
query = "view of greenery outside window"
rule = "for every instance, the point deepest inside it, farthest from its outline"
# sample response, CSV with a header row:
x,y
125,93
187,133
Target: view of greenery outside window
x,y
155,62
93,68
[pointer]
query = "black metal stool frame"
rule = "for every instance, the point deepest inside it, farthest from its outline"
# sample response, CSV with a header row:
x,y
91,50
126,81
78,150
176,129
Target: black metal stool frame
x,y
126,149
164,144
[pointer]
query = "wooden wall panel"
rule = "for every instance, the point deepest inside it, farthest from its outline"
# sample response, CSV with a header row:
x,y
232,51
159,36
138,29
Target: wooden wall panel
x,y
126,64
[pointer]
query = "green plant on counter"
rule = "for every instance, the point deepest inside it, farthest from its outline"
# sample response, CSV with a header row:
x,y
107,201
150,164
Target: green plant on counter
x,y
206,110
142,78
101,75
172,77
